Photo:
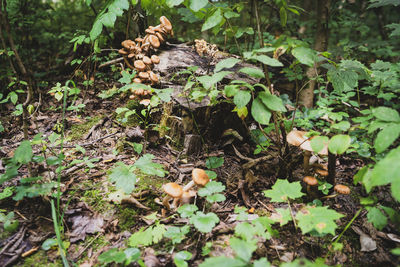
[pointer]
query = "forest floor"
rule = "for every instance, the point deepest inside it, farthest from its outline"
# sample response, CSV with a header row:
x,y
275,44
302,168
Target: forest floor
x,y
95,222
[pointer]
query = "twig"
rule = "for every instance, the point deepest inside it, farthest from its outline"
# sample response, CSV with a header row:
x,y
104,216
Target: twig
x,y
134,201
111,62
92,142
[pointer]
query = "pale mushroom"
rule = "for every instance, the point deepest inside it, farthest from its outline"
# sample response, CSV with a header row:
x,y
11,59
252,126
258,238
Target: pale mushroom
x,y
173,191
199,177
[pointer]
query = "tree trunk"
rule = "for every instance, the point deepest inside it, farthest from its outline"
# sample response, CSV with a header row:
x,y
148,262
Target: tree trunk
x,y
306,96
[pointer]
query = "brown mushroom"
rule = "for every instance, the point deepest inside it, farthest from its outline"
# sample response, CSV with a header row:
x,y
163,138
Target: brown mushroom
x,y
155,59
131,55
150,31
166,23
154,41
342,189
123,51
146,60
139,40
144,75
145,102
187,196
128,44
153,77
139,65
322,172
199,177
160,37
173,190
137,80
311,183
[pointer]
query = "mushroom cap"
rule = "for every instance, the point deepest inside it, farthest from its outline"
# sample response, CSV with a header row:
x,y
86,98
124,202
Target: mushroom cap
x,y
155,59
310,180
342,189
128,44
144,75
139,65
139,91
173,189
138,40
154,41
131,55
145,102
296,138
123,51
137,80
160,29
166,23
150,31
147,60
322,172
153,77
200,177
160,37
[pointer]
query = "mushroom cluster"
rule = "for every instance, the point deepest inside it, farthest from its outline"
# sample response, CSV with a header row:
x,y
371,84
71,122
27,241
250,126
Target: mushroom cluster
x,y
138,54
184,195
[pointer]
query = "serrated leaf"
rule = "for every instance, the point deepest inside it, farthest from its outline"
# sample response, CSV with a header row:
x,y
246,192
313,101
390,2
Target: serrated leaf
x,y
142,237
216,198
242,98
339,144
187,210
305,55
123,178
176,234
204,222
386,137
214,162
196,5
282,190
318,219
212,21
23,154
260,112
226,64
243,249
147,166
273,102
377,218
253,72
386,114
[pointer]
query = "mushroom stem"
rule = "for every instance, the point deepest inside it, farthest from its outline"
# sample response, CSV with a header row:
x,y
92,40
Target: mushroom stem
x,y
175,203
331,168
306,162
188,186
165,202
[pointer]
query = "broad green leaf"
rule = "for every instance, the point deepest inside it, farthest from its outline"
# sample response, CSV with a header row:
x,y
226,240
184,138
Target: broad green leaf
x,y
283,216
212,21
226,63
260,112
214,162
204,222
273,102
142,237
131,255
395,189
386,137
283,16
243,249
222,261
208,81
158,232
196,5
377,218
165,94
108,19
305,55
231,90
176,234
263,262
23,154
123,178
7,192
147,166
187,210
318,143
305,262
112,255
269,61
342,126
172,3
318,219
242,98
282,190
253,72
96,29
339,144
386,114
216,198
181,257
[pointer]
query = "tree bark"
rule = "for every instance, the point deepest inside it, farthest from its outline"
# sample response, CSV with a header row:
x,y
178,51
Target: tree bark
x,y
306,96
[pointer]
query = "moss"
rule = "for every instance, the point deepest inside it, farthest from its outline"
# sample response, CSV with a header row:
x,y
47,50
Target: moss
x,y
40,259
126,216
79,130
93,195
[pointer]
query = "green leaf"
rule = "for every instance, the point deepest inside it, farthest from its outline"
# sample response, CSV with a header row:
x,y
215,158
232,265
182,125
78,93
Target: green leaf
x,y
181,257
123,178
187,210
386,114
342,126
204,222
112,255
273,102
49,243
231,90
147,166
305,55
7,192
318,219
339,144
282,190
396,251
165,94
96,29
13,97
214,162
226,64
23,154
284,216
214,20
142,237
108,19
318,143
196,5
131,255
222,261
242,98
377,218
172,3
208,81
243,249
260,112
211,187
305,262
176,234
396,29
216,198
158,232
263,262
386,137
283,16
253,72
269,61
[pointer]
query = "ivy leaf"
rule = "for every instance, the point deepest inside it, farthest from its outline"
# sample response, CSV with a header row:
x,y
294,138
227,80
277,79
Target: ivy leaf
x,y
243,249
282,190
273,102
339,144
23,154
187,210
242,98
123,178
147,166
214,162
253,72
377,218
211,187
386,114
386,137
226,64
212,21
318,219
305,55
222,261
181,257
196,5
204,222
260,112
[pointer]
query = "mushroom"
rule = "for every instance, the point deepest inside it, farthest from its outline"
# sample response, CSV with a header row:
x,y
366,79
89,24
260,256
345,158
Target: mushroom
x,y
144,75
146,60
153,77
160,37
342,189
311,182
154,41
150,31
123,52
128,44
173,191
199,177
139,40
155,59
139,65
322,172
166,24
137,80
187,197
145,102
